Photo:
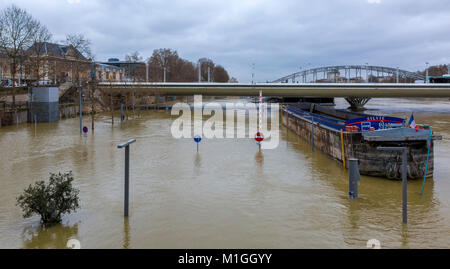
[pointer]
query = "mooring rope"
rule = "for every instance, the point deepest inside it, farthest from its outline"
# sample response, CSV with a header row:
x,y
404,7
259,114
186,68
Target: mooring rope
x,y
426,166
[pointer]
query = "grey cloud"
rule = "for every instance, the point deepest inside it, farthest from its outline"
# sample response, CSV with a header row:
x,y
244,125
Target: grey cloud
x,y
278,36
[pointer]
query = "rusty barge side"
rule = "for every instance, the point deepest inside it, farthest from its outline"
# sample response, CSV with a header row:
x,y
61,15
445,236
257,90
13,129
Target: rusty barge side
x,y
372,162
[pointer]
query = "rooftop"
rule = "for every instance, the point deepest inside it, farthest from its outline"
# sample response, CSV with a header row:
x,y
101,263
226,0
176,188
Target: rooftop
x,y
53,49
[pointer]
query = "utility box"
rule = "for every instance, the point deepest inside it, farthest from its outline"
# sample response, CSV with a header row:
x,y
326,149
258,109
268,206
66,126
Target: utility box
x,y
45,104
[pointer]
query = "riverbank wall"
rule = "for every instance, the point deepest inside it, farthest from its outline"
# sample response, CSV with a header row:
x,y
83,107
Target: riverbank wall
x,y
26,115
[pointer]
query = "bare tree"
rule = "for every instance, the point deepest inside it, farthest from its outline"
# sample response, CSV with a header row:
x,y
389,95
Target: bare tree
x,y
132,70
81,44
36,52
133,57
16,35
220,74
79,54
164,60
180,70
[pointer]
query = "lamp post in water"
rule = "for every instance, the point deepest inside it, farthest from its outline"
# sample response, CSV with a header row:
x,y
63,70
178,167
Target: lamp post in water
x,y
353,178
126,145
404,177
80,90
199,63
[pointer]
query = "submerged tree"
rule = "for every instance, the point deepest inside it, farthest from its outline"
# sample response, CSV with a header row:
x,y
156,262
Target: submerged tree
x,y
50,200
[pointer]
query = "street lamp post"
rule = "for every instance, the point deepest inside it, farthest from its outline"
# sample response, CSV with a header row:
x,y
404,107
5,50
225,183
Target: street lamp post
x,y
299,73
309,67
199,71
164,74
126,145
209,73
426,81
81,109
253,72
55,74
367,72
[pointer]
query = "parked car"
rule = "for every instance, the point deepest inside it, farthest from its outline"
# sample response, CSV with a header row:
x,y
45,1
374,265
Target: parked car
x,y
45,82
7,83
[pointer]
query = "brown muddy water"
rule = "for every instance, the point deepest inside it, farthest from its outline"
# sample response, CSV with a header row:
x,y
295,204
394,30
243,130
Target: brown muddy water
x,y
227,196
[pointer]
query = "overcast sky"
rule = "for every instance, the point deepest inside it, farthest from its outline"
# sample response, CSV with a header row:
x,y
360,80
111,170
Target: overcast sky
x,y
279,37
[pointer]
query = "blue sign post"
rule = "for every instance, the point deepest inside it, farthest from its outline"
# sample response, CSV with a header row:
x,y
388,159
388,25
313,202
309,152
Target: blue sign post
x,y
85,131
122,116
197,140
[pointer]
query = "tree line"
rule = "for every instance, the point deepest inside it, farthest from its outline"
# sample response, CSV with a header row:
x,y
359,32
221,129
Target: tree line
x,y
166,65
22,38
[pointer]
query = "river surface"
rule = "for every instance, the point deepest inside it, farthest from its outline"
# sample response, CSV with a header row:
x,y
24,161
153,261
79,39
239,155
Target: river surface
x,y
226,196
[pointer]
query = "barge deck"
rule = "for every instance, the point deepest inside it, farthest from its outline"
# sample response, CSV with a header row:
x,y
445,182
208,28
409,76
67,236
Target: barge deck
x,y
342,135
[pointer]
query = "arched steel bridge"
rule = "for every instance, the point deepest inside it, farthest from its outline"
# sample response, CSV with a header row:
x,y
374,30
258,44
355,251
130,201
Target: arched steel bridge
x,y
348,73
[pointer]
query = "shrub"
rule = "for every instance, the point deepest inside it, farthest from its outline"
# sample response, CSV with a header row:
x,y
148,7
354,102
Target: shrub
x,y
50,200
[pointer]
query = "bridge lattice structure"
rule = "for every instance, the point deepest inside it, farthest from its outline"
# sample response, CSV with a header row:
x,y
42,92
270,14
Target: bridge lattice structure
x,y
349,73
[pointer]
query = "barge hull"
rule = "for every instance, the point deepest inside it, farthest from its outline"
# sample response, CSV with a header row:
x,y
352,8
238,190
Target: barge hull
x,y
372,162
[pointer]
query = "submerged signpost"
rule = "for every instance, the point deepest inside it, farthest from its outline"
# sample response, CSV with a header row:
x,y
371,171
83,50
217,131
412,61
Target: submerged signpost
x,y
353,178
259,137
126,145
197,140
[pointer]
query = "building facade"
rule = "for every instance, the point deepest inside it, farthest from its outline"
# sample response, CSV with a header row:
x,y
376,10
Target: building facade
x,y
133,71
58,64
107,72
47,63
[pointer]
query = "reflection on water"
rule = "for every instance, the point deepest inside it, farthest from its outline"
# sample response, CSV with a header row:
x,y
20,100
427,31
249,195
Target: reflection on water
x,y
228,195
48,237
126,233
198,160
259,159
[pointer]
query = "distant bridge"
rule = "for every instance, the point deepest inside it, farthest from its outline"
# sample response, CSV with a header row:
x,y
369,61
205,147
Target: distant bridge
x,y
349,73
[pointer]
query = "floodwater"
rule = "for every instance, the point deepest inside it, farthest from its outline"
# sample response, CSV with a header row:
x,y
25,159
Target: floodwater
x,y
226,196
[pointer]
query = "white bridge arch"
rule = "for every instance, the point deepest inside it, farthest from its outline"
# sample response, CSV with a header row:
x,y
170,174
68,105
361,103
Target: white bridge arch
x,y
349,73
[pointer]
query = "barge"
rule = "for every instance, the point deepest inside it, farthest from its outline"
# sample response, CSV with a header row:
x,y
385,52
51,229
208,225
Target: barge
x,y
342,134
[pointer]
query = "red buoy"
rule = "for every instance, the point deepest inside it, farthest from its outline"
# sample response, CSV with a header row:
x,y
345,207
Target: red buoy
x,y
259,137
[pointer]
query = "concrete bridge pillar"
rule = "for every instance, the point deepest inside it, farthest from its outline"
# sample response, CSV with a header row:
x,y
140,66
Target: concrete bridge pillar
x,y
357,103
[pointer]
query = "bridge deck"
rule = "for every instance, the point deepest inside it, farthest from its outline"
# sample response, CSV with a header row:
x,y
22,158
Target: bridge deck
x,y
284,89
